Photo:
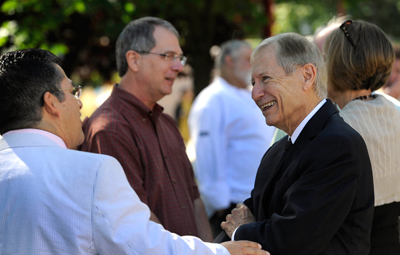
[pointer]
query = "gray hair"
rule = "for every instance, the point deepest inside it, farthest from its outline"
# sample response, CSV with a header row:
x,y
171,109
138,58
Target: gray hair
x,y
229,48
138,36
294,50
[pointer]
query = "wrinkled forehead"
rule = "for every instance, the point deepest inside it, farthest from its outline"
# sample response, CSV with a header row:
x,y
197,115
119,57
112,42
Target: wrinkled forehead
x,y
263,52
262,58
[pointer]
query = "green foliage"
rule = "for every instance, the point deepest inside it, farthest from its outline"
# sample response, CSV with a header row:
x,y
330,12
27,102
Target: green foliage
x,y
83,32
302,16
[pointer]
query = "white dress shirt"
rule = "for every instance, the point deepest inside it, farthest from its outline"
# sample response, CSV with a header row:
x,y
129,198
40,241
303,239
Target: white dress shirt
x,y
230,137
59,201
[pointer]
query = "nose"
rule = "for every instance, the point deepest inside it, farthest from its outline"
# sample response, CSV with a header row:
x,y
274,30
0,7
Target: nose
x,y
258,92
177,66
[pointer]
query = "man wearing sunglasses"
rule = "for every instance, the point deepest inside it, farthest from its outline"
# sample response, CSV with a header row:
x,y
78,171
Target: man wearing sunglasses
x,y
131,127
59,201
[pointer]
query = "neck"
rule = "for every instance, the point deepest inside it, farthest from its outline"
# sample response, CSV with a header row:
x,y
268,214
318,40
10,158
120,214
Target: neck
x,y
133,87
347,96
230,77
299,116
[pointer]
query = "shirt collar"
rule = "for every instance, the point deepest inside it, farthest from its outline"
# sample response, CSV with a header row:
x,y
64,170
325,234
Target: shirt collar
x,y
134,101
300,127
47,134
229,86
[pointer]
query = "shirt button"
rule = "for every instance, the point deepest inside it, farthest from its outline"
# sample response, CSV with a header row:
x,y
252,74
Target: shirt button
x,y
190,232
151,114
173,180
144,120
183,207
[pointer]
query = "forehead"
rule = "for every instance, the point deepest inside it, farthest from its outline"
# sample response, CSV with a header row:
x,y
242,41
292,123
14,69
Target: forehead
x,y
264,61
166,40
245,50
66,82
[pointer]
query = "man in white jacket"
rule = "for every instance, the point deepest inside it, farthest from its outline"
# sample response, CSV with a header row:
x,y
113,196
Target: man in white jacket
x,y
54,200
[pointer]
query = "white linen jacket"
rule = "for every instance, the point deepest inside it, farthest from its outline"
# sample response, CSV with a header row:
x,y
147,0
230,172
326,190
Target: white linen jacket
x,y
59,201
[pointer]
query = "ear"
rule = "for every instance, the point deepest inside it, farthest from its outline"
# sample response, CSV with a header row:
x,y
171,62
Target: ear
x,y
309,76
51,105
229,61
133,59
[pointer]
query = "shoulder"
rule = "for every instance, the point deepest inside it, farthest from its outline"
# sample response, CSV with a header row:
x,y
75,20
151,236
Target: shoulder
x,y
88,161
107,119
210,95
338,142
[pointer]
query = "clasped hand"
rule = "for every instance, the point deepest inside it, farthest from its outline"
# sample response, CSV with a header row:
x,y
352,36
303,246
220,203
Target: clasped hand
x,y
239,216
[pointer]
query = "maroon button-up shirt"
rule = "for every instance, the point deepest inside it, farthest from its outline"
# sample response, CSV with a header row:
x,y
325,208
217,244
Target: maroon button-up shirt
x,y
152,152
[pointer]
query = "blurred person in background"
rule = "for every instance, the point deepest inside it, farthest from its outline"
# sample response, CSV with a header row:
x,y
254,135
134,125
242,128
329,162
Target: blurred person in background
x,y
54,200
323,31
228,133
392,85
132,127
359,58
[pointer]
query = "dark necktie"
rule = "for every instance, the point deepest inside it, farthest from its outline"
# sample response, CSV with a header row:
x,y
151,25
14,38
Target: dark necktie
x,y
288,145
280,171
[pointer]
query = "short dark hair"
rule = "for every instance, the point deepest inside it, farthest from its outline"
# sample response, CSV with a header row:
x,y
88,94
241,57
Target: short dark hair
x,y
138,36
25,75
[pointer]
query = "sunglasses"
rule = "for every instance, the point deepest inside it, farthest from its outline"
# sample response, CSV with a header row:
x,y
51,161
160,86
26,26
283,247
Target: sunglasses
x,y
343,27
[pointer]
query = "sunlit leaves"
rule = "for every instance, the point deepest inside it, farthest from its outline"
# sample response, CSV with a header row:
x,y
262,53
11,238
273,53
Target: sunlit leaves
x,y
129,7
11,6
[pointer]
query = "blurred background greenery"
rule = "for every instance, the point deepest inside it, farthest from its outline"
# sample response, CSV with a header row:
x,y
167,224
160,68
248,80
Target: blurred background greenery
x,y
83,32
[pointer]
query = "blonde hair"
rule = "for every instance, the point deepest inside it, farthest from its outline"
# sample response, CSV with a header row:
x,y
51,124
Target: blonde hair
x,y
366,65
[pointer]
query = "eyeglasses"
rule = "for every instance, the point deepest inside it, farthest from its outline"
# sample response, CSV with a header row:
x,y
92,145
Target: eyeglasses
x,y
170,56
76,91
346,33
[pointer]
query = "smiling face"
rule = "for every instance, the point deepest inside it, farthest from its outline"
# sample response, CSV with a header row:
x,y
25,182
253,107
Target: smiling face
x,y
156,73
279,96
71,124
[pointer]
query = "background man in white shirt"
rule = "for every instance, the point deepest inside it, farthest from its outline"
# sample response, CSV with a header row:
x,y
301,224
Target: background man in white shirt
x,y
229,134
59,201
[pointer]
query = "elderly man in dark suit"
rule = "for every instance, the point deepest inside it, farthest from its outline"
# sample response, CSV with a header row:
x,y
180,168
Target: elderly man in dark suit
x,y
313,192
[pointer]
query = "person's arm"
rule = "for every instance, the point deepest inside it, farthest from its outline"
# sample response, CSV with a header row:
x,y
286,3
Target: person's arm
x,y
121,223
209,140
203,225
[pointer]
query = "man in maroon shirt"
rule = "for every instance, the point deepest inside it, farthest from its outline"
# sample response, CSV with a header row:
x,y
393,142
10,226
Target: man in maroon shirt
x,y
131,127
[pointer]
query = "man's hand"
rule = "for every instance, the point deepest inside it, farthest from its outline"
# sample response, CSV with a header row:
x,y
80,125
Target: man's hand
x,y
244,248
240,215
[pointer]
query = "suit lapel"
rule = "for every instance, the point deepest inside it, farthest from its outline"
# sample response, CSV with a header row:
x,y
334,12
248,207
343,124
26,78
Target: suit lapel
x,y
309,132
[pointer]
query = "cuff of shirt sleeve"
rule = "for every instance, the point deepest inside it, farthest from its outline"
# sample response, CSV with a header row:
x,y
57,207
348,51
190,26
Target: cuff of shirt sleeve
x,y
233,234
